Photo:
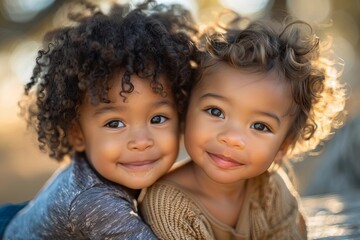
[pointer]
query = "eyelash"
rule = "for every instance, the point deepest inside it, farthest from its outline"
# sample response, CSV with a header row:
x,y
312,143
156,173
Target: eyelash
x,y
111,123
211,110
265,127
159,116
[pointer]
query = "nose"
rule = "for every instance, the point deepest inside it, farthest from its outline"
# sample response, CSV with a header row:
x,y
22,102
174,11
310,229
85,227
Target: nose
x,y
232,137
140,140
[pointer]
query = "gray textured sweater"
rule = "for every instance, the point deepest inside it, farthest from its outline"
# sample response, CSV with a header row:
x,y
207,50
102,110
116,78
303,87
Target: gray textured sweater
x,y
79,204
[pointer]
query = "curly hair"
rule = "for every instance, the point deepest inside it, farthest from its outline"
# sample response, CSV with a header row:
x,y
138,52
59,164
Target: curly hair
x,y
80,60
294,52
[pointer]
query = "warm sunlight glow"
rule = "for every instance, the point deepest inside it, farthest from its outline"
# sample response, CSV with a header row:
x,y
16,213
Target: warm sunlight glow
x,y
309,10
24,10
245,7
22,59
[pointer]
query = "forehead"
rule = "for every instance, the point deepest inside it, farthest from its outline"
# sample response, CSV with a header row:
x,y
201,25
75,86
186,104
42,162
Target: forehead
x,y
218,74
141,99
246,88
117,84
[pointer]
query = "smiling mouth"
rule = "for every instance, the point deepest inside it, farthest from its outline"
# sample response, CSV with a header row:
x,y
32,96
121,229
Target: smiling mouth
x,y
139,165
224,162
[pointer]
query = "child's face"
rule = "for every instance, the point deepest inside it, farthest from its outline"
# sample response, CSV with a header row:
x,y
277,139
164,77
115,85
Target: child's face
x,y
131,143
236,123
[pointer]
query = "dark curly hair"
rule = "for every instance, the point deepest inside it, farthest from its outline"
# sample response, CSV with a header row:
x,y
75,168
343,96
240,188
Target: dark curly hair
x,y
294,52
80,60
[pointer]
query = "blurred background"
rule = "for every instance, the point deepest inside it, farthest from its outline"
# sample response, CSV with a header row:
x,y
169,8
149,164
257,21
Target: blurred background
x,y
24,169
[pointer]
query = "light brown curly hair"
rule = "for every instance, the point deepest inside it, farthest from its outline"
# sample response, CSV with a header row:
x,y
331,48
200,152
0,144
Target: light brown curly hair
x,y
294,52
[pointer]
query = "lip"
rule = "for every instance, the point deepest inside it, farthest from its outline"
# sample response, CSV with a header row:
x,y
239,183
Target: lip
x,y
139,165
224,162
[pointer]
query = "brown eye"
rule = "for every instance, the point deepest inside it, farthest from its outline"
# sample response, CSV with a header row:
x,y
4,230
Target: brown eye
x,y
216,112
115,124
260,127
158,119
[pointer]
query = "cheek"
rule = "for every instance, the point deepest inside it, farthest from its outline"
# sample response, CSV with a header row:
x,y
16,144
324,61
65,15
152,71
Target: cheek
x,y
190,132
168,140
198,127
193,122
105,147
172,142
194,136
263,154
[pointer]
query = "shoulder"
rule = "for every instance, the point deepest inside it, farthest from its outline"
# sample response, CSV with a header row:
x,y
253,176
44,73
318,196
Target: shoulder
x,y
102,197
173,214
284,191
173,189
275,186
104,211
277,203
168,195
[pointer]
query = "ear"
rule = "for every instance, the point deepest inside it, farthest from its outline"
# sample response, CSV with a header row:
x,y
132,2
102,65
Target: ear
x,y
282,150
76,137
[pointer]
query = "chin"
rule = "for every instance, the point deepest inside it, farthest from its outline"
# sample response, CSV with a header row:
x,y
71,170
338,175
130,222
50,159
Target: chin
x,y
139,186
144,184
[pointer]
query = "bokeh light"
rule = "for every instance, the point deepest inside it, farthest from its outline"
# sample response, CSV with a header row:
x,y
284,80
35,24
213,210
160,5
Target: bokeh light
x,y
22,59
345,50
309,10
351,31
24,10
245,7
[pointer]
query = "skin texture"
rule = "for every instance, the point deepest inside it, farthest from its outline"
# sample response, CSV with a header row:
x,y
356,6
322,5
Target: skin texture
x,y
131,143
236,126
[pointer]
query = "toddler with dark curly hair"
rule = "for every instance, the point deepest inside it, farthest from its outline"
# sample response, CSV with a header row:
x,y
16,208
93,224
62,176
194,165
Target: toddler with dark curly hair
x,y
108,92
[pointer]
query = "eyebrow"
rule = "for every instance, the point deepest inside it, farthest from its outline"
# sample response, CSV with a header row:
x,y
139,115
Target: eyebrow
x,y
116,108
107,108
269,114
213,95
164,102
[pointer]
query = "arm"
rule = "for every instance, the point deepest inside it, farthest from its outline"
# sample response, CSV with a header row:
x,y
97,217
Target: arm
x,y
172,215
103,213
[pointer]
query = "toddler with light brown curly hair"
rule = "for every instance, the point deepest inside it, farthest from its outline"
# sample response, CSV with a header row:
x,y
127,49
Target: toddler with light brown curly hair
x,y
262,94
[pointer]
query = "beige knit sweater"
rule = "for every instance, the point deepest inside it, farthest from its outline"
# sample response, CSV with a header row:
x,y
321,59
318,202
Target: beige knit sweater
x,y
270,211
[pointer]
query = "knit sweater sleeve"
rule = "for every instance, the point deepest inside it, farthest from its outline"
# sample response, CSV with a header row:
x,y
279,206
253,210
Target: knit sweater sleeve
x,y
172,215
281,208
